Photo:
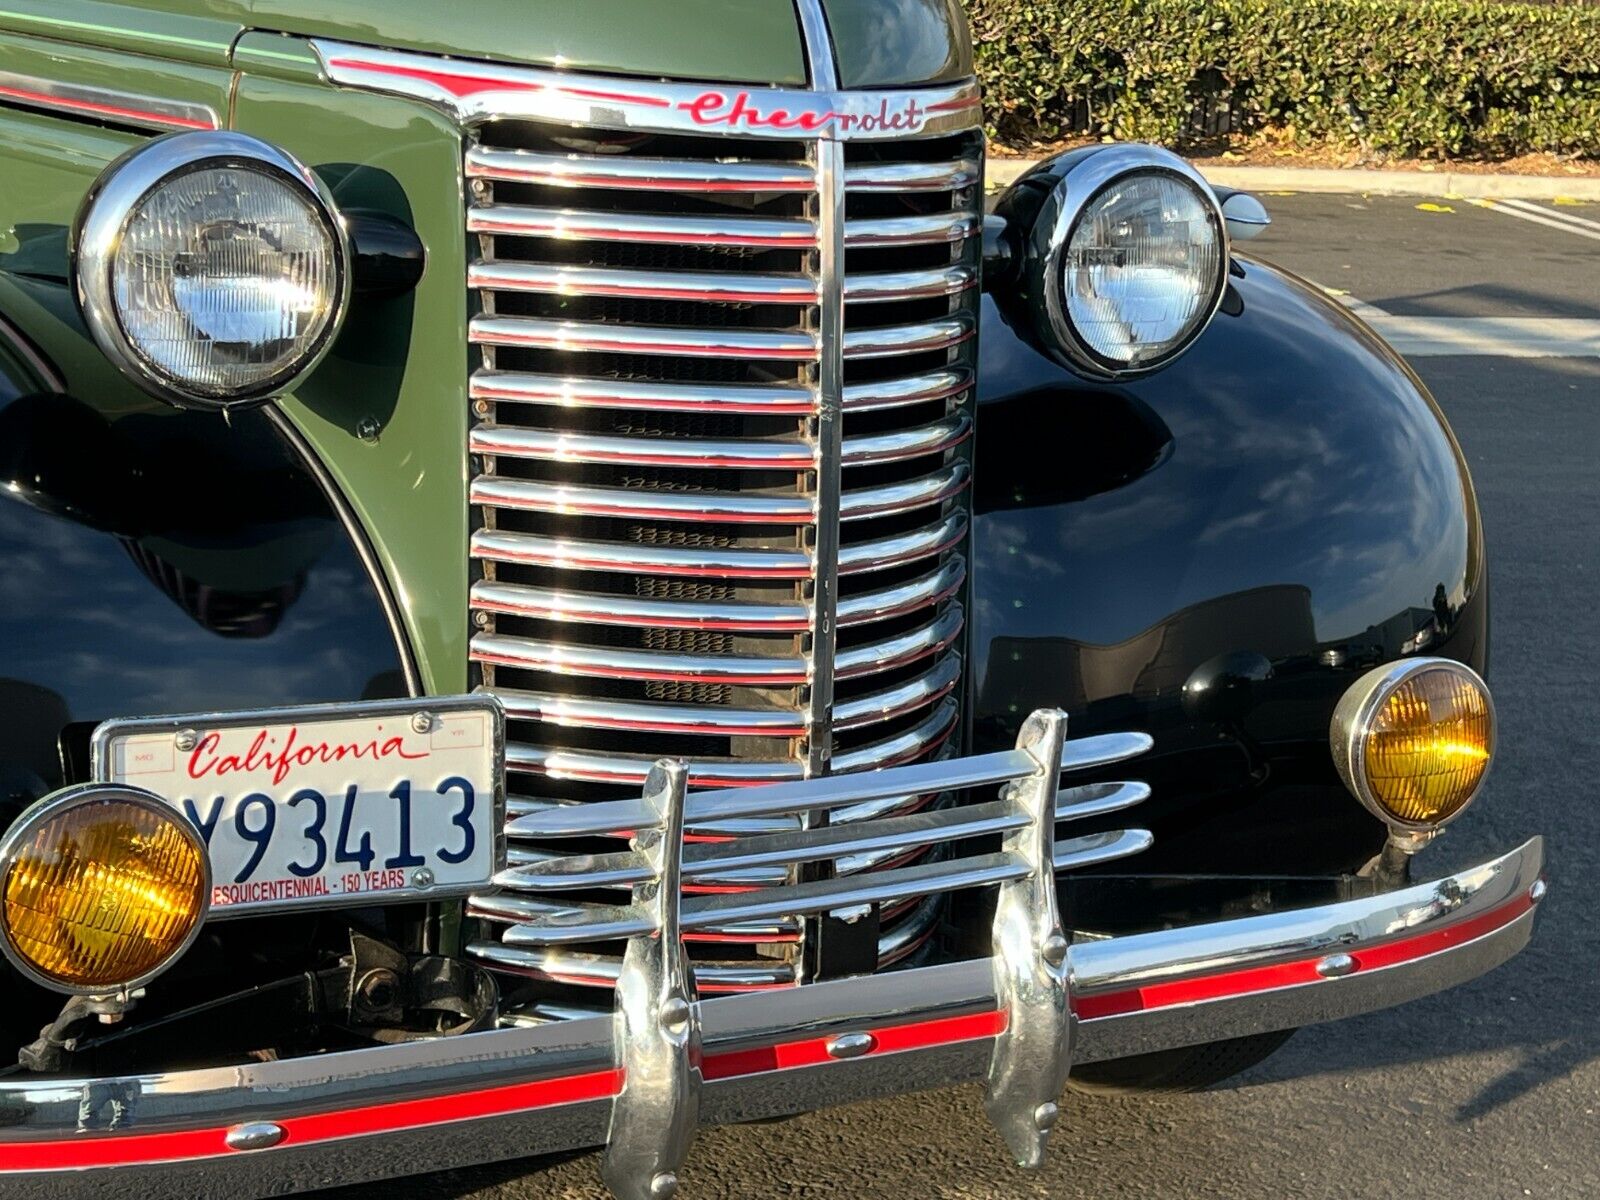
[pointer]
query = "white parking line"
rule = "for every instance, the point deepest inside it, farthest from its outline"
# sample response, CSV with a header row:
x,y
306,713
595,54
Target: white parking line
x,y
1486,337
1494,337
1580,226
1562,215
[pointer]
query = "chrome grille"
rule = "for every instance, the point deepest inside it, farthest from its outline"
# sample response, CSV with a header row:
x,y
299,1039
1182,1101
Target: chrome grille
x,y
649,466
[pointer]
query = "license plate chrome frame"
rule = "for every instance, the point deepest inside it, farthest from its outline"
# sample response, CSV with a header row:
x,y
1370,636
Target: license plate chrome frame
x,y
108,732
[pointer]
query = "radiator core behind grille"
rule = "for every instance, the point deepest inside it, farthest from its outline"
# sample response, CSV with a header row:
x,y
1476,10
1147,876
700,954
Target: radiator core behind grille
x,y
646,478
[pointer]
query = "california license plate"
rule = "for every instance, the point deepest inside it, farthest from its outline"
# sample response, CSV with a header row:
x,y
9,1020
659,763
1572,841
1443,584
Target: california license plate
x,y
332,805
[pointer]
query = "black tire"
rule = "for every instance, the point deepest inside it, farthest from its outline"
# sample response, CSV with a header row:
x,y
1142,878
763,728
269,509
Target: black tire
x,y
1188,1069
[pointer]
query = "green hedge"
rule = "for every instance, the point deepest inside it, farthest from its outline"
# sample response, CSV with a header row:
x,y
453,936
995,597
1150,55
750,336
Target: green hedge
x,y
1430,78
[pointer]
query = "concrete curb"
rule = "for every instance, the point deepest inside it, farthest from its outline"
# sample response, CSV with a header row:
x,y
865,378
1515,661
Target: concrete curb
x,y
1003,171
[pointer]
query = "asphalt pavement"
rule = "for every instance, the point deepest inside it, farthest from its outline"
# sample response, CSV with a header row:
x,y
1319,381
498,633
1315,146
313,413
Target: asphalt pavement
x,y
1492,1090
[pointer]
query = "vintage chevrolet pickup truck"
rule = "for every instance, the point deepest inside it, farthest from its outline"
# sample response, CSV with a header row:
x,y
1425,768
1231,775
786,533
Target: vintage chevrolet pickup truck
x,y
564,581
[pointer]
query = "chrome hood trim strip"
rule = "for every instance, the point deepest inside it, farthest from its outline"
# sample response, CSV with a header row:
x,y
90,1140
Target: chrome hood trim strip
x,y
473,91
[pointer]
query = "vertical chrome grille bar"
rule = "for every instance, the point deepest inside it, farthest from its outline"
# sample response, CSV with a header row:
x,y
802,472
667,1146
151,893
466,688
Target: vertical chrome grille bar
x,y
827,426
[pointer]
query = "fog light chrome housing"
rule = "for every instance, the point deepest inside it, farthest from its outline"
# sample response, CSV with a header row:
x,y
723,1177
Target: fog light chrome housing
x,y
102,888
1413,740
212,268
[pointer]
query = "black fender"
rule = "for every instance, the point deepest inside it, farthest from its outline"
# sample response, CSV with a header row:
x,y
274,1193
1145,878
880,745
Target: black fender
x,y
1213,554
154,561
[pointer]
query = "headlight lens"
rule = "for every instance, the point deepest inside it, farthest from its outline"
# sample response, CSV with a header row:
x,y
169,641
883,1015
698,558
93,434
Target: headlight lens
x,y
212,268
1414,741
102,888
1141,268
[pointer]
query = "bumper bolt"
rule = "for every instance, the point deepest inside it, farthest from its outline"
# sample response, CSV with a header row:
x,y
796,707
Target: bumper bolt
x,y
1054,950
1537,891
257,1135
1336,966
675,1016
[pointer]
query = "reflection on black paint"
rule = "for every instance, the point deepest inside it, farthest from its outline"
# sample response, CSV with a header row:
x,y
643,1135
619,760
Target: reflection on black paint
x,y
1041,448
1283,508
167,562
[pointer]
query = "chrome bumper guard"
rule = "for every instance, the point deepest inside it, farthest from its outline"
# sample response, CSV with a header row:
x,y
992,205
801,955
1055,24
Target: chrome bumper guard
x,y
667,1062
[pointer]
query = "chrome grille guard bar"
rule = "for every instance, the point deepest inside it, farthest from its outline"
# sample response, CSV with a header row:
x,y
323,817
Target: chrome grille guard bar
x,y
642,1081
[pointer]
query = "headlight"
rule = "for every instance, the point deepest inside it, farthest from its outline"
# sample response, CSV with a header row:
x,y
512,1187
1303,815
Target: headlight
x,y
1126,258
101,888
212,268
1413,740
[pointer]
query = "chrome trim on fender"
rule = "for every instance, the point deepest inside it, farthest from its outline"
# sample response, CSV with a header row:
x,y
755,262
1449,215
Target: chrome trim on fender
x,y
135,109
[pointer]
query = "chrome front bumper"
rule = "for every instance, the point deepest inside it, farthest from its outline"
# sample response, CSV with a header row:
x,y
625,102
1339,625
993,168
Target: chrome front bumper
x,y
666,1063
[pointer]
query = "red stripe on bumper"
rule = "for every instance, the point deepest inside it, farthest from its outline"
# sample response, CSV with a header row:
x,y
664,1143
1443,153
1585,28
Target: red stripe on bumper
x,y
813,1052
1303,971
124,1149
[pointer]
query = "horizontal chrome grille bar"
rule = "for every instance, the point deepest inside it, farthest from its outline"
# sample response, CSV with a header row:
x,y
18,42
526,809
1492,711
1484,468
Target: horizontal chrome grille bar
x,y
567,658
1098,799
558,965
882,887
900,649
835,841
829,792
654,716
517,442
512,908
910,231
933,730
639,174
562,280
570,224
913,176
753,454
858,504
867,288
525,495
576,391
572,554
882,553
925,590
932,685
546,604
528,333
521,600
915,389
909,339
495,491
633,769
1097,848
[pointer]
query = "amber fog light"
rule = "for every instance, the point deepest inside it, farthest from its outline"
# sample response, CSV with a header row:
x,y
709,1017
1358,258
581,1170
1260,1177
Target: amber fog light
x,y
1413,740
101,889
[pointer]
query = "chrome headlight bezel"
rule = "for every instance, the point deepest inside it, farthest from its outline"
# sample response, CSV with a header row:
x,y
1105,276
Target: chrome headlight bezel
x,y
1352,723
1052,231
117,198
